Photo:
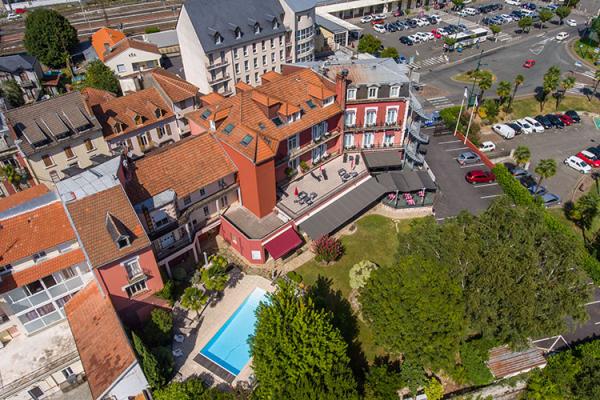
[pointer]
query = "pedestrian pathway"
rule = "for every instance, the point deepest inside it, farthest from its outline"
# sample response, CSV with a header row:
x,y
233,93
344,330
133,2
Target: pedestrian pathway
x,y
504,37
429,62
440,102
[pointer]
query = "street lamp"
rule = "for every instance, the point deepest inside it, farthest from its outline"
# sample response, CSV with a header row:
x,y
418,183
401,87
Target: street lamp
x,y
479,65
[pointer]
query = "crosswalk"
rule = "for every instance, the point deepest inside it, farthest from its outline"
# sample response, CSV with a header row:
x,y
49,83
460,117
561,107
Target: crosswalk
x,y
440,102
578,88
590,74
504,37
429,62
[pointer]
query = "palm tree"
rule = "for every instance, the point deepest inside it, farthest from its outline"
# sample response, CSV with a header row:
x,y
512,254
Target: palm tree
x,y
503,91
545,169
522,155
597,78
550,84
519,79
11,174
584,212
193,299
485,83
565,85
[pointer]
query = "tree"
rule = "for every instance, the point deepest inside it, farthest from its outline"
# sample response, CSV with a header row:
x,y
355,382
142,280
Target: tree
x,y
595,27
503,91
545,15
369,44
597,79
563,12
193,299
584,211
449,42
525,24
49,36
496,29
484,82
545,169
522,155
550,84
389,52
215,276
360,273
565,85
12,92
415,307
297,351
99,76
157,330
191,389
458,3
435,390
519,79
148,362
491,109
383,382
11,174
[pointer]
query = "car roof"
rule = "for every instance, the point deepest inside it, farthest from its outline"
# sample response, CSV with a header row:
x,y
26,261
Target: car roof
x,y
586,153
467,153
550,196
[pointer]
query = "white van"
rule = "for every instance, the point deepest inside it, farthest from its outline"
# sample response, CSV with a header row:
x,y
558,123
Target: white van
x,y
504,130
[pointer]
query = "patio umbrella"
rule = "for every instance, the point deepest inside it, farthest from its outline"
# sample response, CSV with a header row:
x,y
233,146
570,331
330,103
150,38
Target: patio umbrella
x,y
296,191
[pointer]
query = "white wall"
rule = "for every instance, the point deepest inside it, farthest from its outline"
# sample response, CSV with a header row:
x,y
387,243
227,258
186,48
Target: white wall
x,y
48,383
192,54
130,384
132,56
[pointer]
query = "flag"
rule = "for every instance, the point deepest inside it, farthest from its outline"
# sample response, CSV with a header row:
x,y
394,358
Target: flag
x,y
466,93
475,102
417,53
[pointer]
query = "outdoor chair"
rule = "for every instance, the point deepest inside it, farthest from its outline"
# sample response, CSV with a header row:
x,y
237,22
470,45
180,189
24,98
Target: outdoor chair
x,y
342,172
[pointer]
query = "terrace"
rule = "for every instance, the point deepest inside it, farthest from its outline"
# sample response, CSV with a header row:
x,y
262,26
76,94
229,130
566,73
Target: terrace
x,y
320,184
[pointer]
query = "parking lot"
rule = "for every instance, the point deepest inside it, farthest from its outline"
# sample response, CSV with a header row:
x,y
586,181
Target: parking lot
x,y
557,144
455,194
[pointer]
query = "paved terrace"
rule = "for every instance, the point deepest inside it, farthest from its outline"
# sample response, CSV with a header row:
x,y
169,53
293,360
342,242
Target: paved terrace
x,y
314,182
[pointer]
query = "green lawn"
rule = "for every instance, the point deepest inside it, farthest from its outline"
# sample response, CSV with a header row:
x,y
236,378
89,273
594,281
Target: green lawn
x,y
530,106
467,77
584,48
376,240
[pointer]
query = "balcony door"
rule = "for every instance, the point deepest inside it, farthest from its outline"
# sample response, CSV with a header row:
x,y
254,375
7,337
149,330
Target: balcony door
x,y
167,240
317,153
368,139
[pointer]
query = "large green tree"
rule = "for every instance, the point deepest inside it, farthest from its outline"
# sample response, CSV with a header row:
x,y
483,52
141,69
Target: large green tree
x,y
545,169
415,306
521,155
99,76
545,16
297,352
369,44
149,363
49,36
525,24
12,92
389,52
503,91
563,12
191,389
584,212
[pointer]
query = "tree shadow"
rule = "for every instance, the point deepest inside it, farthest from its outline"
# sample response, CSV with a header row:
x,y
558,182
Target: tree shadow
x,y
343,318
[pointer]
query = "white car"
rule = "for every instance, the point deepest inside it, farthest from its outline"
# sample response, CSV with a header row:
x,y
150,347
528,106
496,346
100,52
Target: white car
x,y
513,2
420,22
462,13
423,36
429,35
366,18
379,16
562,36
571,22
425,21
12,16
507,18
379,28
535,125
470,11
415,38
527,129
504,130
578,164
437,17
487,146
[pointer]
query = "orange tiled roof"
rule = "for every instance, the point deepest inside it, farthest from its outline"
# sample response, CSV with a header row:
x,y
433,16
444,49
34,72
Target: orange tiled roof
x,y
89,216
31,232
175,88
185,167
212,98
123,109
22,197
270,76
243,86
40,270
107,36
94,96
103,347
125,44
252,132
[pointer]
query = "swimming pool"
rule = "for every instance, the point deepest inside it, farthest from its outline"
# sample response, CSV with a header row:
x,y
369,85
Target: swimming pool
x,y
229,346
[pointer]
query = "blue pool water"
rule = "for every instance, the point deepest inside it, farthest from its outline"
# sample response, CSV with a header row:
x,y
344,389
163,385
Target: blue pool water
x,y
229,347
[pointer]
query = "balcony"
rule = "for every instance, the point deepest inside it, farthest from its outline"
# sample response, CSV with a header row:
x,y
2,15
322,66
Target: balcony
x,y
221,64
377,126
217,80
309,146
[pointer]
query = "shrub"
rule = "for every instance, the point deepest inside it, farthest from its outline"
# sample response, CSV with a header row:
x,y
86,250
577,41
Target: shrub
x,y
360,273
152,29
149,363
294,276
157,330
167,292
511,187
179,274
327,248
304,166
164,357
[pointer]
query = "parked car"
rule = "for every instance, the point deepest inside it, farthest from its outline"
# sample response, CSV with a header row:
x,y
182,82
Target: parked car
x,y
594,150
11,16
555,121
406,40
366,18
562,36
535,125
421,22
504,130
516,127
571,22
487,146
578,164
379,28
480,176
574,116
528,63
513,2
436,34
527,129
568,121
468,157
590,158
517,172
398,13
531,184
529,6
378,21
379,16
550,199
545,121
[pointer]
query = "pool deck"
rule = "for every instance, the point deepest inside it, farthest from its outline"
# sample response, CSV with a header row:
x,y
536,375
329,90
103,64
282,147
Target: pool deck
x,y
198,330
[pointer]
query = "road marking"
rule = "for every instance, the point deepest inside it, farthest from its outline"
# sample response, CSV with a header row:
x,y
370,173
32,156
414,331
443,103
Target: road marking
x,y
485,185
458,148
491,196
591,303
440,219
450,141
470,165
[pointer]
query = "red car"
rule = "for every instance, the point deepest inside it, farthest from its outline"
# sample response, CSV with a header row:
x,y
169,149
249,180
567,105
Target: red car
x,y
565,119
590,158
529,63
480,176
20,10
377,21
436,34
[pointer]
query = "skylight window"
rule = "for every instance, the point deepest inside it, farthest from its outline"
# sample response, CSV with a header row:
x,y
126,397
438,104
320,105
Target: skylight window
x,y
246,140
205,114
228,128
277,121
238,33
310,104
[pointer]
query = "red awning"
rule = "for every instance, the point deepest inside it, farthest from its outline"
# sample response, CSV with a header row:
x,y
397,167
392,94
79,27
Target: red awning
x,y
283,244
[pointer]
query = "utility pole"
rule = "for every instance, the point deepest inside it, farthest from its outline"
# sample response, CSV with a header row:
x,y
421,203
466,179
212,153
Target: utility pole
x,y
479,65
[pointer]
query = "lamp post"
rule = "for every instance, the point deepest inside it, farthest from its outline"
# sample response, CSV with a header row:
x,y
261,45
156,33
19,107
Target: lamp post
x,y
479,65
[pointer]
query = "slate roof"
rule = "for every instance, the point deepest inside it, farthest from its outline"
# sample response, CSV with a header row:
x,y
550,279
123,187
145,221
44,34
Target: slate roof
x,y
102,344
89,217
301,5
376,71
184,167
209,17
44,123
17,62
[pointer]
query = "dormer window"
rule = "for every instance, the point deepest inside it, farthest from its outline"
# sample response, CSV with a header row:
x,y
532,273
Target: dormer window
x,y
218,38
137,119
395,91
328,101
118,127
257,28
238,33
372,93
123,242
158,113
351,94
118,231
275,24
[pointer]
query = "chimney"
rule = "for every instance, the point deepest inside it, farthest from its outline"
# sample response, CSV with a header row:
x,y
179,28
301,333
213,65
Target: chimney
x,y
340,87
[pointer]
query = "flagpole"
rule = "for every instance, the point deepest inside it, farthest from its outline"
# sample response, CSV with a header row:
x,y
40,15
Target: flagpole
x,y
470,120
462,104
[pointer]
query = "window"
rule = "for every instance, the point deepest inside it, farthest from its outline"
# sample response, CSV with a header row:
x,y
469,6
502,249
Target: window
x,y
206,211
281,54
245,51
388,139
304,33
256,77
351,94
54,176
292,143
67,273
275,24
123,242
248,79
136,288
371,118
62,301
48,162
35,393
133,268
391,117
264,59
187,200
89,145
257,28
218,38
263,45
348,140
273,43
160,132
318,130
254,48
224,201
158,113
237,68
368,139
222,183
49,281
318,152
41,256
246,66
67,372
121,68
255,62
372,94
5,269
143,140
350,118
281,41
395,91
272,57
328,101
238,33
202,192
236,53
303,47
293,163
69,152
